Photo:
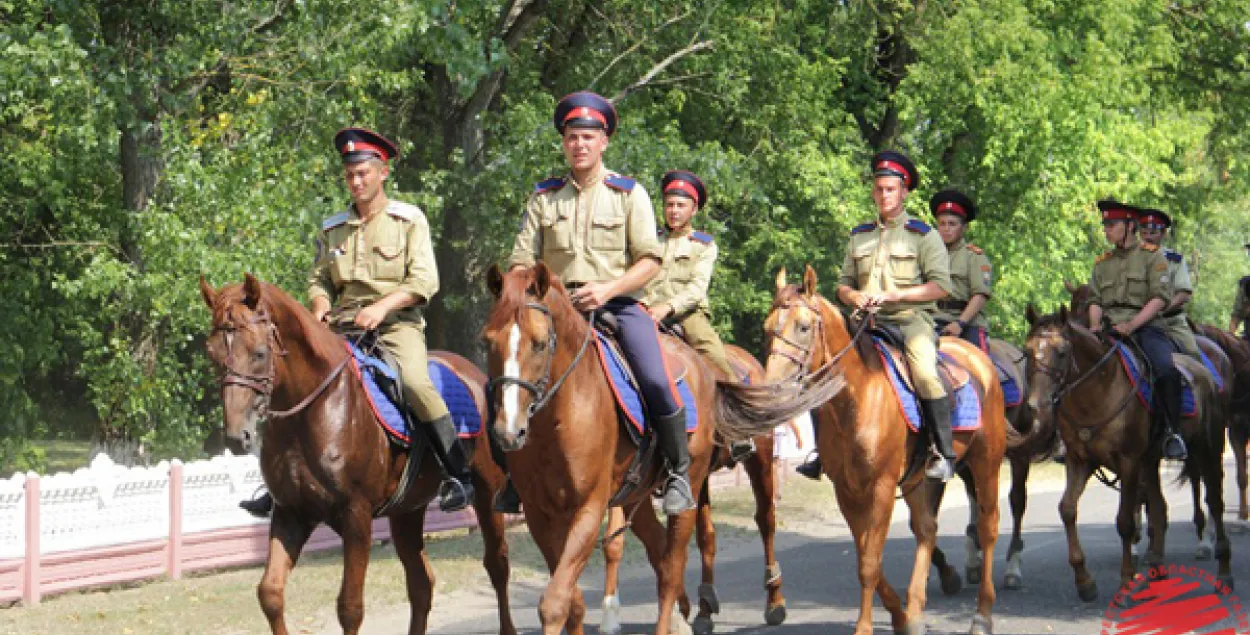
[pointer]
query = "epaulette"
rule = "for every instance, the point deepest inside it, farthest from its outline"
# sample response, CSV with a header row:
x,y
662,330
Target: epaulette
x,y
550,185
866,227
976,250
1150,246
621,183
918,226
333,221
701,237
403,210
1101,257
1172,255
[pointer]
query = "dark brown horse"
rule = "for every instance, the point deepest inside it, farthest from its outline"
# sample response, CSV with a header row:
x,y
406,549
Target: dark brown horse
x,y
568,454
763,477
865,445
1238,352
1076,379
324,457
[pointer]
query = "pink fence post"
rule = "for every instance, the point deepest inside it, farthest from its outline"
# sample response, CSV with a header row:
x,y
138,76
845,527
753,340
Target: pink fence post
x,y
30,579
173,563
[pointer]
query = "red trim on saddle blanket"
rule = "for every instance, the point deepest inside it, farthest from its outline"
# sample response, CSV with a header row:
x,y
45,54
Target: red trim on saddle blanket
x,y
607,375
369,398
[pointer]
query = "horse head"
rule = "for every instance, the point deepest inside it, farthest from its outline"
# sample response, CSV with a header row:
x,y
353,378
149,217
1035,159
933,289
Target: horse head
x,y
800,329
1079,306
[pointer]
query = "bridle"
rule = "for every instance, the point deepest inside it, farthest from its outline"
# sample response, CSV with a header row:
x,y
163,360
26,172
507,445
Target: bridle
x,y
263,384
1063,387
807,351
540,389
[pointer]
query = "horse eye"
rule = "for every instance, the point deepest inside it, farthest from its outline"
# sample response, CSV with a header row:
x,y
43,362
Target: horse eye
x,y
804,327
540,347
258,354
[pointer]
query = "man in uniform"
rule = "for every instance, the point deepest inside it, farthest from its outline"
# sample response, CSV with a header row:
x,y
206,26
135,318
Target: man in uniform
x,y
595,229
678,294
959,314
1130,285
1154,229
1241,306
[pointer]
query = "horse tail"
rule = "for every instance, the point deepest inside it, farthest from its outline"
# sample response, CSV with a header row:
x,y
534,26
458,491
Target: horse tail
x,y
747,410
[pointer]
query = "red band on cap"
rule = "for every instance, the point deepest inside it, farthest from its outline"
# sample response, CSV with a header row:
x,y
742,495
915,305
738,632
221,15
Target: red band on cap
x,y
684,187
890,165
1151,219
1117,213
952,207
362,146
586,112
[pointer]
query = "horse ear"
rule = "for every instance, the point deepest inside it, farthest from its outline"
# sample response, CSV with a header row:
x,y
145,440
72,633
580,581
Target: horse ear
x,y
542,280
780,282
252,292
208,292
494,281
1063,313
1030,314
1067,284
809,282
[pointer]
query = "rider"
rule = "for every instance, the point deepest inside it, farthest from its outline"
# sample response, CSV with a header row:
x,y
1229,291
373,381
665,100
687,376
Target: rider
x,y
1241,306
678,294
1155,227
959,314
896,266
1131,282
595,229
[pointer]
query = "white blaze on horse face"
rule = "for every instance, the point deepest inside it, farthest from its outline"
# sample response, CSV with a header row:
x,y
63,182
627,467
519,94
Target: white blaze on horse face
x,y
511,392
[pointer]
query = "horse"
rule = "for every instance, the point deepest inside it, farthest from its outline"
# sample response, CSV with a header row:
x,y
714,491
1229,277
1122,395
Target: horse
x,y
324,457
1238,352
1075,379
569,454
866,448
763,477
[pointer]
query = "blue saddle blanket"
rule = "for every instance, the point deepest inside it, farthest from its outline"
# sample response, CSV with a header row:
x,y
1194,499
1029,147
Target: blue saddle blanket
x,y
965,413
627,395
1206,361
455,393
1145,389
1011,388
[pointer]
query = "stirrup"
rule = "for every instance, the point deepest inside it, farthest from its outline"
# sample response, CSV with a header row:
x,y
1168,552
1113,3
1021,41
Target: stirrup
x,y
260,505
454,495
812,467
940,468
741,450
677,486
1174,448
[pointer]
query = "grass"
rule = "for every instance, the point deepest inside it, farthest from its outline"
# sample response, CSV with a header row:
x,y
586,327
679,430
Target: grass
x,y
64,456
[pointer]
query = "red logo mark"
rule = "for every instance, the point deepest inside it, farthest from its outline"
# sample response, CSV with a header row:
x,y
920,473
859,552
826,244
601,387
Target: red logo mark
x,y
1176,600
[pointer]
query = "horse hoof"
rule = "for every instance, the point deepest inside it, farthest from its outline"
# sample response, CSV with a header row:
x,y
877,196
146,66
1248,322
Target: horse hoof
x,y
981,626
775,615
914,628
703,625
707,595
1088,592
973,574
1204,552
1013,582
952,584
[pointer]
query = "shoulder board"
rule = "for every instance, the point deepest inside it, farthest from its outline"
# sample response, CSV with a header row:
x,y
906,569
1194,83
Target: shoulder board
x,y
333,221
1172,255
403,210
1101,257
1150,246
701,237
976,250
866,227
550,185
1245,279
618,182
918,226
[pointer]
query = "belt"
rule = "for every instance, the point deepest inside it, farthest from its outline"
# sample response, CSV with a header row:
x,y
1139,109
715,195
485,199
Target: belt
x,y
952,305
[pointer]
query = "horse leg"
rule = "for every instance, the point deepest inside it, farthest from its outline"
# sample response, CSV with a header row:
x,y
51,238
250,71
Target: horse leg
x,y
987,531
562,606
973,552
869,521
357,534
1237,437
1013,578
951,582
651,532
1213,474
1205,549
408,537
705,536
613,551
1077,474
924,528
764,486
495,552
287,535
1126,516
672,569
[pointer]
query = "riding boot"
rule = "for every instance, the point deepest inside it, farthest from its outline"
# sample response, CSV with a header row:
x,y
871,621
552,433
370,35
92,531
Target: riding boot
x,y
670,433
740,451
937,413
260,506
507,501
457,489
1169,401
812,468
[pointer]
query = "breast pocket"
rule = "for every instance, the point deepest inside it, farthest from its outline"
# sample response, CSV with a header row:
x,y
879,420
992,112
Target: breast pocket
x,y
1138,288
904,266
863,265
557,231
388,263
607,232
682,269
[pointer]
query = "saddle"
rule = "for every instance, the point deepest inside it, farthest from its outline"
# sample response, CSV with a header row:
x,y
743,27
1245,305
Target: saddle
x,y
954,376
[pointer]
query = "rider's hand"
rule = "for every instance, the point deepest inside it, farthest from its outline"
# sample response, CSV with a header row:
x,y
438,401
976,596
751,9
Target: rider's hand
x,y
1124,328
592,296
370,317
320,308
658,313
953,329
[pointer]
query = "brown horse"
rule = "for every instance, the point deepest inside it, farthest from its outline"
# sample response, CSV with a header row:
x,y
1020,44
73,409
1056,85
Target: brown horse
x,y
1075,378
324,457
1238,352
866,447
760,471
568,453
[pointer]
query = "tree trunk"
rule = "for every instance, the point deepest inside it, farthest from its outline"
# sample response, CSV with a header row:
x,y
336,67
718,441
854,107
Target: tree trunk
x,y
141,171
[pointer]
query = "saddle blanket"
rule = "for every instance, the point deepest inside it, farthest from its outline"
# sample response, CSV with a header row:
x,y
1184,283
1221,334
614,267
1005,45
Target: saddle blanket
x,y
965,413
1206,361
626,391
1189,407
454,391
1011,389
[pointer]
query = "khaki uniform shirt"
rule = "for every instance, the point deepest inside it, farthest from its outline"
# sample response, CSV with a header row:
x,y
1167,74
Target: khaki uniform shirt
x,y
1124,280
590,233
359,263
971,274
899,254
686,272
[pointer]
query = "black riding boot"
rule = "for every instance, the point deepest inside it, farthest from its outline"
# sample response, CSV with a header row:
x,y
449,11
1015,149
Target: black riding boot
x,y
260,506
457,490
740,451
507,501
812,468
670,433
937,413
1169,389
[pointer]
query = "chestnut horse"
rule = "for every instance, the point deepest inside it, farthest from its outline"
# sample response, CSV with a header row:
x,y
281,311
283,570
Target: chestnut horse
x,y
865,445
568,454
324,457
760,471
1075,378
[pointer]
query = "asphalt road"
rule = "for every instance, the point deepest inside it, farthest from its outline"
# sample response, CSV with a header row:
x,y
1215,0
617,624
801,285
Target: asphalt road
x,y
821,586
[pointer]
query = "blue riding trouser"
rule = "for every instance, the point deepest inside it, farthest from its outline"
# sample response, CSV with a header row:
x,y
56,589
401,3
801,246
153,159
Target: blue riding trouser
x,y
1158,349
975,335
640,344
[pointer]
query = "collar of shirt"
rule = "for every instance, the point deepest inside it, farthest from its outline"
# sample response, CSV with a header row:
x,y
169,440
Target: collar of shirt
x,y
594,179
956,246
893,223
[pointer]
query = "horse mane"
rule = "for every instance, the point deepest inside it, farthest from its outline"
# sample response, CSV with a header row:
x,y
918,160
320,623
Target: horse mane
x,y
515,294
291,318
